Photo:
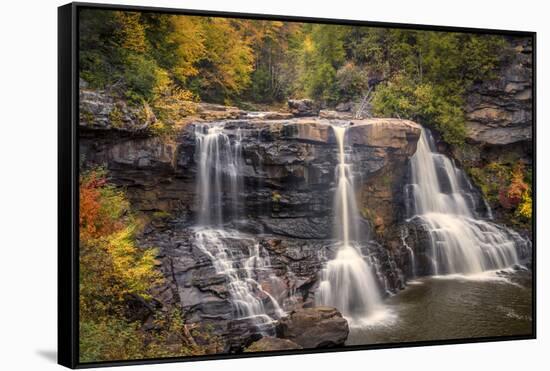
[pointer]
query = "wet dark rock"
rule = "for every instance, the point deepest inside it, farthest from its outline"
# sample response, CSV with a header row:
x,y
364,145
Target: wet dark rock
x,y
319,327
240,334
416,235
307,228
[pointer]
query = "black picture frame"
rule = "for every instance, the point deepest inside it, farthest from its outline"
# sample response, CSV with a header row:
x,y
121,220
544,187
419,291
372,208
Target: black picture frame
x,y
68,175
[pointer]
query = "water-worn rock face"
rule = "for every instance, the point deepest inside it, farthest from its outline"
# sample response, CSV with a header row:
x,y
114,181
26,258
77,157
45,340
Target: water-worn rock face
x,y
499,112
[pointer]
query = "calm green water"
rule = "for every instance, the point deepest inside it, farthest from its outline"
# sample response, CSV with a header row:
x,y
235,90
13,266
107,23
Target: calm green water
x,y
452,308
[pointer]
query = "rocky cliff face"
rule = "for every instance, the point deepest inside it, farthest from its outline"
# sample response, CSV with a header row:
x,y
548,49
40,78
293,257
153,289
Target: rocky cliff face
x,y
500,131
499,112
288,177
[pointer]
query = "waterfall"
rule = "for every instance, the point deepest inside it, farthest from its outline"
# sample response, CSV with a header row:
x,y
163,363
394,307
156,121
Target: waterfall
x,y
247,295
220,174
441,199
219,161
348,281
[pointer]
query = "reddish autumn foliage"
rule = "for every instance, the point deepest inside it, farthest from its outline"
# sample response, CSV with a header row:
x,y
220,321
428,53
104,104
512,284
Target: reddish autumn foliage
x,y
89,204
511,196
96,217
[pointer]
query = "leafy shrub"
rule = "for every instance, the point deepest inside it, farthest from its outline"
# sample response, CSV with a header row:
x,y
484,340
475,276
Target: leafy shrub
x,y
352,81
507,185
423,103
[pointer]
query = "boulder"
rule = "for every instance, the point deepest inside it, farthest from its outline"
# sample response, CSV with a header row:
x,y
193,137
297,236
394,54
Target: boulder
x,y
318,327
269,343
310,129
240,334
302,107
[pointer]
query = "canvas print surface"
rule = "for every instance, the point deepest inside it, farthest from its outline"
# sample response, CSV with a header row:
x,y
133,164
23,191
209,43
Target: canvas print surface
x,y
258,185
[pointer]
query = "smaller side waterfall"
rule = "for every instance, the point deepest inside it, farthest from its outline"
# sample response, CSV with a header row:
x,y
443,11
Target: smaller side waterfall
x,y
219,163
348,281
234,255
461,242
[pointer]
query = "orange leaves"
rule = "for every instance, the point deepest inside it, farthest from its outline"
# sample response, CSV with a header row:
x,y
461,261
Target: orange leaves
x,y
89,205
101,206
511,196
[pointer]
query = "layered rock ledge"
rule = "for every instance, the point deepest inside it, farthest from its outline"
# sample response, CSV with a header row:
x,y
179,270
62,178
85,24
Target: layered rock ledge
x,y
499,112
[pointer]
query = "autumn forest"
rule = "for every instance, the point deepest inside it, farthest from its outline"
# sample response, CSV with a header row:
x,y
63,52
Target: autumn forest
x,y
252,185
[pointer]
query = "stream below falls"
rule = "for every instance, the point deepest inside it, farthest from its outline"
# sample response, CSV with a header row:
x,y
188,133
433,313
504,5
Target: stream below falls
x,y
453,307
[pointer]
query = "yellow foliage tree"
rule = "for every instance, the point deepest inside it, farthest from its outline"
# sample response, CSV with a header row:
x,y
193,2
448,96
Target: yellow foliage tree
x,y
131,32
187,36
229,58
111,266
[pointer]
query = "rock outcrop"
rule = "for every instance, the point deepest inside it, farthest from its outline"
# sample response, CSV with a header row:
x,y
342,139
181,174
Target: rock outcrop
x,y
319,327
104,110
499,112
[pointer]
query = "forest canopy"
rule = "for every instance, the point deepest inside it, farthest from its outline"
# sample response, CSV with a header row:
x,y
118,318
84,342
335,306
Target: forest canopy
x,y
156,58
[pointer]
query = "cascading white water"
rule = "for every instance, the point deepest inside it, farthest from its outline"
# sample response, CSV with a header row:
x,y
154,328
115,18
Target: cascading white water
x,y
348,281
461,242
219,160
220,174
246,294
